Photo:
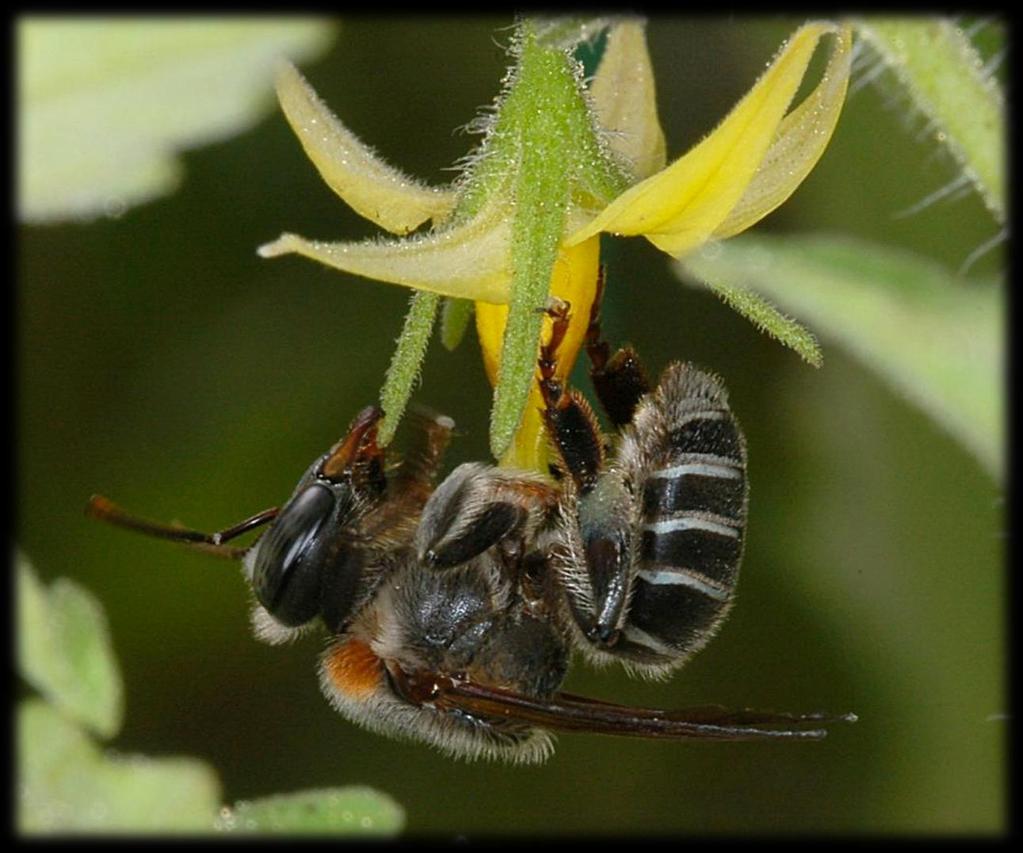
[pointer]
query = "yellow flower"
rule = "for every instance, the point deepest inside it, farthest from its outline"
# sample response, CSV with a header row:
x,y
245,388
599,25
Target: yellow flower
x,y
751,163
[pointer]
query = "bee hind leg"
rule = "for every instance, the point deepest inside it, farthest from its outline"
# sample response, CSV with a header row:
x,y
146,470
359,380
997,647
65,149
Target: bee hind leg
x,y
571,423
619,380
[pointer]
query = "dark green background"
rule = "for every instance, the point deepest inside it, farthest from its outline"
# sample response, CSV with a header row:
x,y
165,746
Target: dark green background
x,y
161,362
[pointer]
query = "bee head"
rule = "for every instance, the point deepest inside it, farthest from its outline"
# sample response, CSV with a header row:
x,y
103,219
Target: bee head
x,y
307,564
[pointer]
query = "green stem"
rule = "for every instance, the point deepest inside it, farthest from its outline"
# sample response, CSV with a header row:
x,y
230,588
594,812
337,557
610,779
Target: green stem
x,y
405,365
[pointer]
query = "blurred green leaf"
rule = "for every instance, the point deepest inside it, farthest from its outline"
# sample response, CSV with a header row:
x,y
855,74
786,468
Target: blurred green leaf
x,y
104,104
353,810
64,650
946,78
938,340
65,783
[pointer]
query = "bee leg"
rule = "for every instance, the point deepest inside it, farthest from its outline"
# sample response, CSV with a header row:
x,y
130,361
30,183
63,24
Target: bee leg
x,y
598,582
423,458
619,380
477,507
571,424
598,588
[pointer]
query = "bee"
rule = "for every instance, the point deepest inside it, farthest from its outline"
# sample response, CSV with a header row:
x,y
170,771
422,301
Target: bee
x,y
452,610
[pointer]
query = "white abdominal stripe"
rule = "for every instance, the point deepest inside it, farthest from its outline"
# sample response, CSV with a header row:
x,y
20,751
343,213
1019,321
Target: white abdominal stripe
x,y
691,537
685,577
688,521
721,467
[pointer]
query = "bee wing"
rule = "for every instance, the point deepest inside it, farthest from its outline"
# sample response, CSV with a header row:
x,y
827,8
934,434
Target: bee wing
x,y
565,712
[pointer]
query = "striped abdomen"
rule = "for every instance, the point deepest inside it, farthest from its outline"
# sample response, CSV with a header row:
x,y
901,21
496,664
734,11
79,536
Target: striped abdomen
x,y
687,460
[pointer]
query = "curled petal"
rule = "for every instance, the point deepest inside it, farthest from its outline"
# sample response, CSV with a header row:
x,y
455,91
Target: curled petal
x,y
469,261
684,205
802,137
625,100
368,185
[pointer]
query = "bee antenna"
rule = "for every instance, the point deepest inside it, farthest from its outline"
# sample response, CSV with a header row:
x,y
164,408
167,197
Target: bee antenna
x,y
104,509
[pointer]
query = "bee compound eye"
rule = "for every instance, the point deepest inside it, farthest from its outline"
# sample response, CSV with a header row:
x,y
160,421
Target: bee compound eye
x,y
286,576
340,586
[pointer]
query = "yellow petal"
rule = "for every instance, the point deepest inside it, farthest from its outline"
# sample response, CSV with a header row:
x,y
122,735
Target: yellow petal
x,y
367,184
625,100
573,280
802,137
680,207
469,261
